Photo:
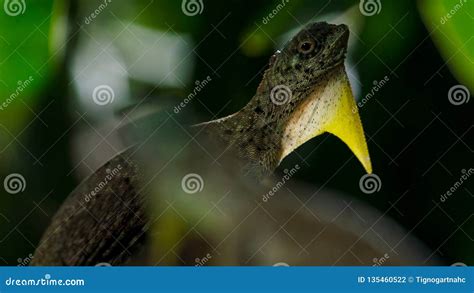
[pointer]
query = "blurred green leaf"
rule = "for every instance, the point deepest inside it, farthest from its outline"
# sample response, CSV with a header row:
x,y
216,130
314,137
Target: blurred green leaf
x,y
450,23
25,58
276,19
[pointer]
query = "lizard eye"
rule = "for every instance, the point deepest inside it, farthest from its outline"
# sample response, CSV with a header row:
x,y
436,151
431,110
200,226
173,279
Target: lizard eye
x,y
306,46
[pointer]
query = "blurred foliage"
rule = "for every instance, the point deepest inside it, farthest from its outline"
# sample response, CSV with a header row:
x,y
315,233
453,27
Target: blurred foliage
x,y
26,55
451,24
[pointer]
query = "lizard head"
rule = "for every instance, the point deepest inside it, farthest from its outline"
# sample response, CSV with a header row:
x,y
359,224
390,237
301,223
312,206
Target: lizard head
x,y
304,93
316,49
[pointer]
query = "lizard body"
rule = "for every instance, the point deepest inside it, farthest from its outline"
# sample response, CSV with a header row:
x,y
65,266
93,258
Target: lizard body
x,y
111,225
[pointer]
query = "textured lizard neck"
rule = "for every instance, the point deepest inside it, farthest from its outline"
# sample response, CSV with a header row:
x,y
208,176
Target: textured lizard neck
x,y
256,132
251,135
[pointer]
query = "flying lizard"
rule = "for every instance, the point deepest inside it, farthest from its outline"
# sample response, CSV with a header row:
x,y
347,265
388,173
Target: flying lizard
x,y
304,92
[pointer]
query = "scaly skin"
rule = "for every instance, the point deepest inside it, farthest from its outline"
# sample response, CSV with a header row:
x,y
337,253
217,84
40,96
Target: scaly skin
x,y
112,224
258,130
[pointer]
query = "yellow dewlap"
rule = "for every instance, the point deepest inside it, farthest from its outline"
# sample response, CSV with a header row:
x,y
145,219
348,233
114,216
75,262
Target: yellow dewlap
x,y
330,108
